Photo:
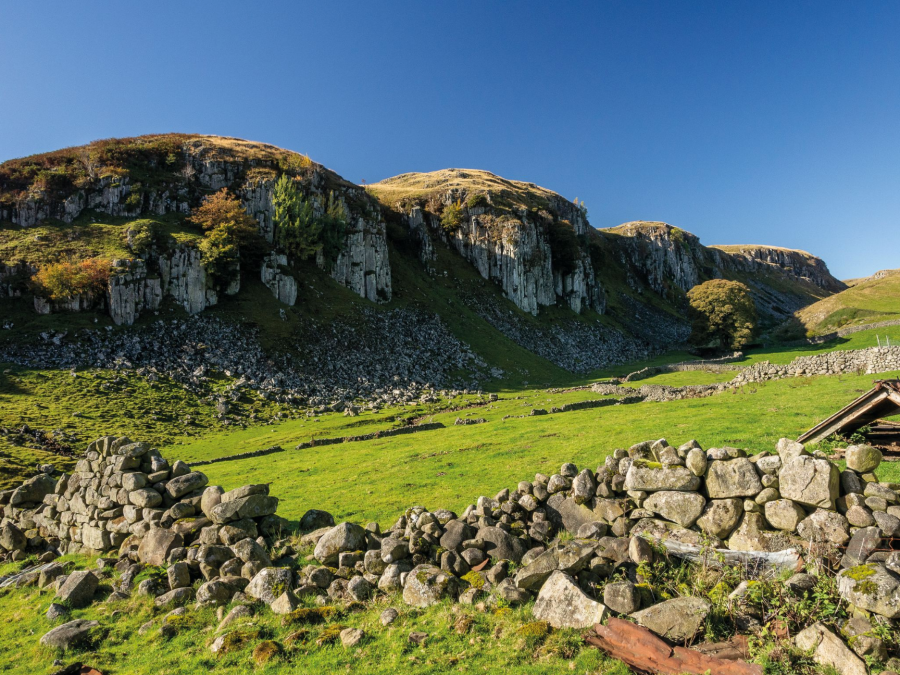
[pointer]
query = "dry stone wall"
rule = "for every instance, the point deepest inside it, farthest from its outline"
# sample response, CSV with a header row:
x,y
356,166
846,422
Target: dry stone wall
x,y
567,534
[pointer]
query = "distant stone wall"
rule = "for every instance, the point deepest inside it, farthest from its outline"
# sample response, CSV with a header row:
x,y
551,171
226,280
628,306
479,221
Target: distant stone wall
x,y
868,361
719,365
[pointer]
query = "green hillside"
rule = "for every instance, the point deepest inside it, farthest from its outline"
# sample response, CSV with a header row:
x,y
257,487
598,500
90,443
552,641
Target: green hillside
x,y
868,301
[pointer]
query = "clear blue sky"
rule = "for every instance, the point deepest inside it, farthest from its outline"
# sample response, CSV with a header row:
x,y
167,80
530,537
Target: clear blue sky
x,y
743,122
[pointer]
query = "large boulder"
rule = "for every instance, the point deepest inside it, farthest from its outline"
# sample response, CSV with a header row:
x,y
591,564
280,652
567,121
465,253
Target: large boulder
x,y
567,514
862,544
810,481
650,477
251,506
12,538
570,558
752,535
678,619
69,635
732,478
501,545
872,587
562,604
339,539
314,519
825,526
178,487
783,514
720,517
33,490
863,458
683,508
78,589
269,583
427,585
157,544
829,650
455,533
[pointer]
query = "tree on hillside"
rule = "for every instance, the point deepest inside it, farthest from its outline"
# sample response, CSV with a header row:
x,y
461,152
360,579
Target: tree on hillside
x,y
229,228
302,233
297,229
723,314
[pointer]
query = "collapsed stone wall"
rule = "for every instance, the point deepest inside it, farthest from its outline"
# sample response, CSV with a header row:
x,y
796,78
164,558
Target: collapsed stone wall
x,y
567,533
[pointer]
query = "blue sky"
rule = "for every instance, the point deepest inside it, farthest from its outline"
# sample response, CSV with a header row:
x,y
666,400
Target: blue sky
x,y
742,122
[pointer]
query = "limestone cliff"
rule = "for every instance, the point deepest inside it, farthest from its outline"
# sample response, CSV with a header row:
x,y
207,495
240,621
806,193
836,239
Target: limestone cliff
x,y
529,240
157,175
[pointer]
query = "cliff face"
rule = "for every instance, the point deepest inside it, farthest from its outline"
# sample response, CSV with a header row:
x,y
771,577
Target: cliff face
x,y
202,165
525,238
671,262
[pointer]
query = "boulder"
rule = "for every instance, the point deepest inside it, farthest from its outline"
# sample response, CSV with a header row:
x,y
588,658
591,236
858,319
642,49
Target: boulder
x,y
269,583
78,589
69,635
862,544
562,604
157,544
340,538
315,519
810,481
622,597
648,477
145,498
251,506
872,587
455,533
696,461
829,650
12,538
752,535
683,508
720,517
825,526
212,497
182,485
788,449
567,514
732,478
863,458
33,490
176,597
427,585
783,514
678,619
501,545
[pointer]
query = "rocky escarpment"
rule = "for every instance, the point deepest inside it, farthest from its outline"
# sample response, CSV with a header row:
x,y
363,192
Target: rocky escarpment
x,y
182,169
671,261
525,238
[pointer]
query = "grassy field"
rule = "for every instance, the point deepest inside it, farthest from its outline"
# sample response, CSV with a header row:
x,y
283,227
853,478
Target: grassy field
x,y
451,467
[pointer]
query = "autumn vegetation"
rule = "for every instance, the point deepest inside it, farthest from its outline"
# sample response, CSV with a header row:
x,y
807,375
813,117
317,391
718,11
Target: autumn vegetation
x,y
723,314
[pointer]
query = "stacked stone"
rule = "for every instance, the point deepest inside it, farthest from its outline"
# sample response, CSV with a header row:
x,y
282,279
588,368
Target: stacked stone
x,y
123,495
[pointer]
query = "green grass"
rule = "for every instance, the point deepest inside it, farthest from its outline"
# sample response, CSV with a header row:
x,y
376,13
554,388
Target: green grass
x,y
92,235
685,378
450,468
460,639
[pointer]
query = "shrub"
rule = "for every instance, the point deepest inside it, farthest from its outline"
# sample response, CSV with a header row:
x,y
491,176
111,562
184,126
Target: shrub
x,y
477,201
723,314
63,281
452,217
142,236
229,227
297,228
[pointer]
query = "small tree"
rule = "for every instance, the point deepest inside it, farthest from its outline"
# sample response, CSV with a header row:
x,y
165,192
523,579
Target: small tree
x,y
296,228
64,281
229,227
452,217
723,314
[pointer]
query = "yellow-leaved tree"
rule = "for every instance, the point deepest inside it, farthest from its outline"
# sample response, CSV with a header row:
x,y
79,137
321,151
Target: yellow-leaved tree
x,y
723,314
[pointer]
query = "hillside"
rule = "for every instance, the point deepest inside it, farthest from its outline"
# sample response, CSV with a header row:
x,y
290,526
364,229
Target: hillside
x,y
511,277
870,300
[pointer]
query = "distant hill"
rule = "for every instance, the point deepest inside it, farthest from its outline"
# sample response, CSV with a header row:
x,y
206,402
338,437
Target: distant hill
x,y
868,300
